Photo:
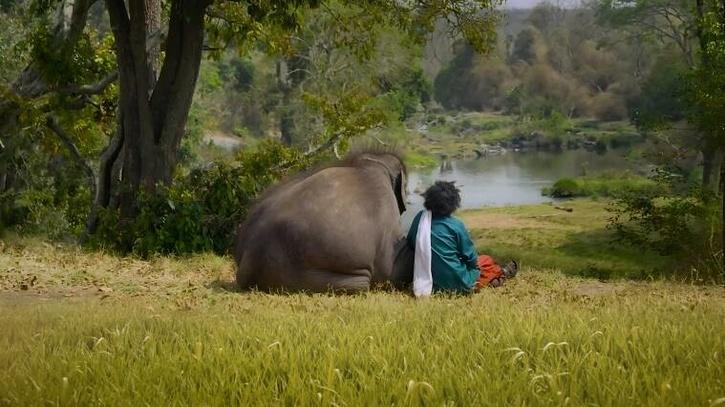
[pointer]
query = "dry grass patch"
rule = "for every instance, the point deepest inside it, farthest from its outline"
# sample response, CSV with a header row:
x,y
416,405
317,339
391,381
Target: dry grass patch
x,y
55,269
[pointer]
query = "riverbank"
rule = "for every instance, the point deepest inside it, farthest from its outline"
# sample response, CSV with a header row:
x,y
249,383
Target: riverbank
x,y
427,139
462,135
86,327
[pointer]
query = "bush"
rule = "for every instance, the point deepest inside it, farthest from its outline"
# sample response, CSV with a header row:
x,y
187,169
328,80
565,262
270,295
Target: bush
x,y
50,198
403,104
684,225
199,212
406,97
414,159
624,140
610,185
563,188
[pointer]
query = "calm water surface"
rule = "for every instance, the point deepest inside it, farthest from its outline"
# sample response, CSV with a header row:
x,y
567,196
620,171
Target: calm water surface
x,y
512,178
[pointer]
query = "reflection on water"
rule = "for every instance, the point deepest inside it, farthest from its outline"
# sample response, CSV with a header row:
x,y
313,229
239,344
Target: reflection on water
x,y
512,178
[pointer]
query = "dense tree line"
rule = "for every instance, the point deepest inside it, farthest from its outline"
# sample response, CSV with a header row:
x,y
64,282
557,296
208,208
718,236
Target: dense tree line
x,y
561,60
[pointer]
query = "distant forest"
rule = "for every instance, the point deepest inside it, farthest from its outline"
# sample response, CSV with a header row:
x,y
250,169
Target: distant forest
x,y
577,63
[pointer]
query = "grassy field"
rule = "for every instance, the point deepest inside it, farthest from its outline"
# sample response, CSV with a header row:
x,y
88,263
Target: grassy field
x,y
90,328
575,243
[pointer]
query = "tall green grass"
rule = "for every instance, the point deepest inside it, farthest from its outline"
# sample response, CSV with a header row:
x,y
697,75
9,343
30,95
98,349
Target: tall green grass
x,y
541,340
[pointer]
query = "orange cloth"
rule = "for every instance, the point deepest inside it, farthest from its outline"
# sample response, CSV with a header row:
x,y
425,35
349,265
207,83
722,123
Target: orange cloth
x,y
490,272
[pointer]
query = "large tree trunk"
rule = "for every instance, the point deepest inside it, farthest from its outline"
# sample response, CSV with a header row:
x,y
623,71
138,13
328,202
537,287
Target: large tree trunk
x,y
722,220
153,112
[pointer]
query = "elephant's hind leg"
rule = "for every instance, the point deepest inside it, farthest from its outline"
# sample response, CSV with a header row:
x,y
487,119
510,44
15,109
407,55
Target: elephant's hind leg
x,y
322,280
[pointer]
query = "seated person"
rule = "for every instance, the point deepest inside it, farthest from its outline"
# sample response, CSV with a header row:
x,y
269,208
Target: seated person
x,y
455,266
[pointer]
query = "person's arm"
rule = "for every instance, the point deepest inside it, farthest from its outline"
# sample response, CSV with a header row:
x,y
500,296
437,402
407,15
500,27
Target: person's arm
x,y
467,248
413,231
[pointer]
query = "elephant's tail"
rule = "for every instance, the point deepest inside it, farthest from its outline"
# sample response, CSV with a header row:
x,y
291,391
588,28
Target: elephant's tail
x,y
243,260
245,277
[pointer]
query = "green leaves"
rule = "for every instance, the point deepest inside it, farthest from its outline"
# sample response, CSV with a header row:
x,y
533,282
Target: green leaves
x,y
347,114
269,23
272,23
201,212
706,90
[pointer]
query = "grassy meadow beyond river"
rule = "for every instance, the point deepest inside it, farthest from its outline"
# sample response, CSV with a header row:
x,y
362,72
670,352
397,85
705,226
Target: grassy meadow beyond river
x,y
585,323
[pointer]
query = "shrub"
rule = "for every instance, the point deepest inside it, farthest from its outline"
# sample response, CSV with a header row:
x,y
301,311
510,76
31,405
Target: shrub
x,y
674,225
406,97
610,185
563,188
201,211
50,198
414,159
684,225
624,139
404,104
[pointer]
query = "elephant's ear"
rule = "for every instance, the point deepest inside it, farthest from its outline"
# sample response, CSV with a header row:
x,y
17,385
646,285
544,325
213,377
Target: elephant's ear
x,y
400,192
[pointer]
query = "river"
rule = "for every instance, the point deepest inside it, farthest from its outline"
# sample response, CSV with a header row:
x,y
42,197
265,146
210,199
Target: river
x,y
513,178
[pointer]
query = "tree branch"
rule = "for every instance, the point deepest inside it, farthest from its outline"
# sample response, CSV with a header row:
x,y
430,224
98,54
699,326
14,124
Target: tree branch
x,y
331,142
93,88
52,124
153,40
108,160
79,17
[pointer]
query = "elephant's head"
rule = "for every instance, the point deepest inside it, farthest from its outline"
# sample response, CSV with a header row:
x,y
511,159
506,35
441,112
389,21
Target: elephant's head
x,y
394,167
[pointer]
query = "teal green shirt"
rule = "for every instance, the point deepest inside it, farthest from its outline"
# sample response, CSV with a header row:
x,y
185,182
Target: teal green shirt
x,y
454,258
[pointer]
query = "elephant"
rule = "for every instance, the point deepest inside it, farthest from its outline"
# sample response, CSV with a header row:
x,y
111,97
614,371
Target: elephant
x,y
335,228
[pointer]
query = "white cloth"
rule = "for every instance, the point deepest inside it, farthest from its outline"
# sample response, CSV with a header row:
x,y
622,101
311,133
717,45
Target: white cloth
x,y
422,275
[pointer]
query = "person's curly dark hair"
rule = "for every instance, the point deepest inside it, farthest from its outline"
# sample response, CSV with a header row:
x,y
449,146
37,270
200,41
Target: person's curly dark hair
x,y
442,198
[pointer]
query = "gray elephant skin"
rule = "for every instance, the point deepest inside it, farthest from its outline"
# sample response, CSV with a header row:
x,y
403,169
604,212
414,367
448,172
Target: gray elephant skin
x,y
336,228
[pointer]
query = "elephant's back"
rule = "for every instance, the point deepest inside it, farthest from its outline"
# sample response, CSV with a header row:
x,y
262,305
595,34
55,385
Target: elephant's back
x,y
331,193
329,208
327,221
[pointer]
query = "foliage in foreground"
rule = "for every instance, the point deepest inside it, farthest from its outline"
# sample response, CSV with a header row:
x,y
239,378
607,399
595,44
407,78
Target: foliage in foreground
x,y
166,332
